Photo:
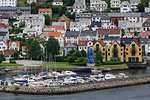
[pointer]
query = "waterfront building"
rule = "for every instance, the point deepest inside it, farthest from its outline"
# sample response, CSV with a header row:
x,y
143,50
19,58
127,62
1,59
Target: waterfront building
x,y
146,24
84,44
133,52
115,52
99,45
108,40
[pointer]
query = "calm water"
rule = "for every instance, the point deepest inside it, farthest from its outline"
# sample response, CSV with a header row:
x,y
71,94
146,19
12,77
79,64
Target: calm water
x,y
141,92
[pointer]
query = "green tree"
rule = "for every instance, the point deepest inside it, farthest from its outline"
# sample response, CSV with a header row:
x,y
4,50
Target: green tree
x,y
81,61
116,22
47,20
2,57
52,47
22,24
69,2
15,55
34,50
123,32
107,10
1,60
135,33
76,54
140,7
83,53
99,56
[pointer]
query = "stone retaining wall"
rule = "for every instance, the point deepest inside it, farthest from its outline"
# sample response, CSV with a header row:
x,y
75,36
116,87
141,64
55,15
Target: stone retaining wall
x,y
78,88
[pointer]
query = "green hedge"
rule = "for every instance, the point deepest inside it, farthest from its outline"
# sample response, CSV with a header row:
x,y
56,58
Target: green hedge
x,y
61,59
12,61
112,62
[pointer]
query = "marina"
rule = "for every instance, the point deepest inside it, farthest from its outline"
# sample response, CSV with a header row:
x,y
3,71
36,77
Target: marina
x,y
57,79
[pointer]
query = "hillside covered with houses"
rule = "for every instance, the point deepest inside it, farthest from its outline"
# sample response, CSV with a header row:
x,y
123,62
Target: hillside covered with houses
x,y
92,30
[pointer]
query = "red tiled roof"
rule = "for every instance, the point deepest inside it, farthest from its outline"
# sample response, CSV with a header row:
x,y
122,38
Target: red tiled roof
x,y
108,31
3,41
144,34
45,10
9,52
24,48
53,34
83,42
4,26
17,42
56,27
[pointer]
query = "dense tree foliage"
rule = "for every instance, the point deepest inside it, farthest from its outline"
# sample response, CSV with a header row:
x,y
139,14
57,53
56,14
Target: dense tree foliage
x,y
15,55
2,57
123,32
34,50
52,47
99,56
47,20
140,7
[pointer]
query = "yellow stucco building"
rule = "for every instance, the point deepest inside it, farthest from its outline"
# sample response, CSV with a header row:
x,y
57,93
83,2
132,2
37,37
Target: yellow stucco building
x,y
115,52
133,53
100,45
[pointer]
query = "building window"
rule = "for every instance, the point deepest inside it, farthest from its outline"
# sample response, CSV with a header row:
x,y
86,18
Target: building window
x,y
103,49
139,53
127,49
121,53
121,49
126,53
140,49
108,54
108,49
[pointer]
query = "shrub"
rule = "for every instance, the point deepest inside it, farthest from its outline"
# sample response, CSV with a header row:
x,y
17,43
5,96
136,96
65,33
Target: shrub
x,y
17,87
1,60
71,59
112,62
12,61
61,59
81,61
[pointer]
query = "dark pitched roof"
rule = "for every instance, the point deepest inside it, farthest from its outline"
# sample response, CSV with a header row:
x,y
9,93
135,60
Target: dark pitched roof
x,y
72,34
111,38
100,41
144,40
147,22
129,40
83,42
88,33
70,45
98,24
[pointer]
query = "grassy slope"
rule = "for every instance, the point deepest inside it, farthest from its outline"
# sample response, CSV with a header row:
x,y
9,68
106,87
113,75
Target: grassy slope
x,y
10,65
60,65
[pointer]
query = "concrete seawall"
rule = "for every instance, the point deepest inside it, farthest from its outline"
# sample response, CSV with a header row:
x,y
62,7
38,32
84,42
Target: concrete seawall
x,y
78,88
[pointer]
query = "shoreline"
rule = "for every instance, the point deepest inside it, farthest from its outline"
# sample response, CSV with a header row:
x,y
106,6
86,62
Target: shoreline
x,y
39,69
108,84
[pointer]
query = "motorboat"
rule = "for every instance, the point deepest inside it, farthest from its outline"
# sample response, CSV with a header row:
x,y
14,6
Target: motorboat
x,y
109,76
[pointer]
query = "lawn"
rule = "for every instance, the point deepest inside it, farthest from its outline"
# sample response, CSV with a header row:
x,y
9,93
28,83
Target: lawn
x,y
10,65
109,66
60,65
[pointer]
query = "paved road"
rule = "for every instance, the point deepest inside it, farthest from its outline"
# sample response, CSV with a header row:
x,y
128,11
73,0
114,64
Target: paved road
x,y
29,62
